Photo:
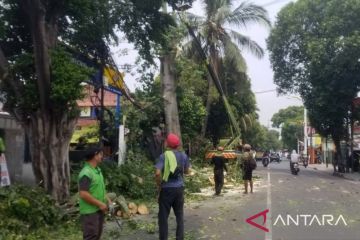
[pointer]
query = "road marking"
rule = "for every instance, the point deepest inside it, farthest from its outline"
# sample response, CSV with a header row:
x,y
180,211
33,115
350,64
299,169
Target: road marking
x,y
268,235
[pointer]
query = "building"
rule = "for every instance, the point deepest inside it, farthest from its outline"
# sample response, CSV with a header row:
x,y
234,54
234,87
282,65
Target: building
x,y
14,139
92,101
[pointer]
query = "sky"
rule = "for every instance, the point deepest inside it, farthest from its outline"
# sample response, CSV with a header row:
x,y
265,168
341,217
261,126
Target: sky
x,y
259,70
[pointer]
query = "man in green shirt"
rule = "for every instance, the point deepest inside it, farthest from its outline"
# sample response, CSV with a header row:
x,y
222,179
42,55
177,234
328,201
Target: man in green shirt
x,y
93,200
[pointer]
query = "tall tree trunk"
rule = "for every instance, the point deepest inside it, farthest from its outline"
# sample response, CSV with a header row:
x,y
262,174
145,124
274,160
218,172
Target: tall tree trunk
x,y
210,98
49,139
169,94
337,161
41,35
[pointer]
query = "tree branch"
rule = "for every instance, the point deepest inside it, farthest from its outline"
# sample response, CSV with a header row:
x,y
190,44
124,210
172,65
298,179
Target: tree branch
x,y
37,12
4,68
6,76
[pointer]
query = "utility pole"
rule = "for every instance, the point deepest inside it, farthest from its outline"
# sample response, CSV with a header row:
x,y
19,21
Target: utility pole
x,y
352,137
305,132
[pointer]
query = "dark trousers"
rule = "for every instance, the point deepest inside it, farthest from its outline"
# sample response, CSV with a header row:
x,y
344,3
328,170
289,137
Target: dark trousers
x,y
92,225
219,180
171,198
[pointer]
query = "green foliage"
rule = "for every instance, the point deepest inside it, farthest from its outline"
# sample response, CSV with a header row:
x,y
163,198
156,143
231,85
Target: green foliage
x,y
87,35
29,205
293,114
222,45
68,230
191,113
261,138
211,29
315,51
66,79
90,133
272,140
291,121
141,122
29,213
191,94
124,180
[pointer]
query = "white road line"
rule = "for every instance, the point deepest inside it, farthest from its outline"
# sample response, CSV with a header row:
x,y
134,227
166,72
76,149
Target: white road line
x,y
268,235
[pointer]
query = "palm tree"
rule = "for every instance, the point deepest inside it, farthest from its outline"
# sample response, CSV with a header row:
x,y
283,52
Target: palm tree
x,y
220,40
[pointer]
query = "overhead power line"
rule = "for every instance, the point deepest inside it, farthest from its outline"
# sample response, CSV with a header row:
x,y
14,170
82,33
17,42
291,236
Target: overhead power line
x,y
266,91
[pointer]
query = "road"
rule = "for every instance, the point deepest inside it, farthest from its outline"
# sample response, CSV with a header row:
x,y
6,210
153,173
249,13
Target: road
x,y
300,207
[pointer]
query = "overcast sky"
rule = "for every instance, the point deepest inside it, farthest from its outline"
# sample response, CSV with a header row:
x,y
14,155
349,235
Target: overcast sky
x,y
260,71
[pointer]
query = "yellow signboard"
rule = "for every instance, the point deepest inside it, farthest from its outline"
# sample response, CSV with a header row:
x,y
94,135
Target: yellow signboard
x,y
113,79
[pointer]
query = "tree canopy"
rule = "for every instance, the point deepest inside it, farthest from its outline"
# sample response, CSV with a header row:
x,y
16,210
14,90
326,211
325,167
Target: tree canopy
x,y
315,51
41,77
291,120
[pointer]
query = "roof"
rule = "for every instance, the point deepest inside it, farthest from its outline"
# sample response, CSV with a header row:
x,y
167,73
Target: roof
x,y
92,98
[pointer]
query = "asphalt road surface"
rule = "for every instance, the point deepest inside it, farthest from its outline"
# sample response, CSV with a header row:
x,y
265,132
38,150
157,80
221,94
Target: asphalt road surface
x,y
309,206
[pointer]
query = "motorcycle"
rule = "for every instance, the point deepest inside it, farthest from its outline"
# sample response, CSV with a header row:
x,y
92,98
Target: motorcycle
x,y
305,161
275,158
295,168
265,161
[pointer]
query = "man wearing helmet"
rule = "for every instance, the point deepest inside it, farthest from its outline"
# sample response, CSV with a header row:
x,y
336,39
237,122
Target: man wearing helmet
x,y
219,166
247,165
169,176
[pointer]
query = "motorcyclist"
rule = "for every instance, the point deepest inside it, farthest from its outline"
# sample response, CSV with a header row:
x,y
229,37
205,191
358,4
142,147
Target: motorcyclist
x,y
266,153
266,158
294,158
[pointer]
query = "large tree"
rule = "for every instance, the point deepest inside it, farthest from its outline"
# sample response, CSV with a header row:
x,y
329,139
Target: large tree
x,y
315,52
262,138
219,35
291,120
40,80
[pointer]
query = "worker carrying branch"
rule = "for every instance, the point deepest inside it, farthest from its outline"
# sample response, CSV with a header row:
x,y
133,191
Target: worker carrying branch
x,y
219,166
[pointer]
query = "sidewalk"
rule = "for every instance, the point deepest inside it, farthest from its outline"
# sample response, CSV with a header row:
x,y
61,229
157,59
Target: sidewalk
x,y
330,170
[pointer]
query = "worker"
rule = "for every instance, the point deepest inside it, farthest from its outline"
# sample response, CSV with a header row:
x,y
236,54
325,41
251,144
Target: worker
x,y
93,200
219,166
169,176
247,165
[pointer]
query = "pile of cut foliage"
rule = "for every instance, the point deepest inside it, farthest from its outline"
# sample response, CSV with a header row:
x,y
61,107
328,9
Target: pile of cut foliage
x,y
29,213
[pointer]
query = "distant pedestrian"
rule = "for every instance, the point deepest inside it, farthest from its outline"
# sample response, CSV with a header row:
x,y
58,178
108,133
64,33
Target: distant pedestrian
x,y
247,164
93,200
169,176
219,166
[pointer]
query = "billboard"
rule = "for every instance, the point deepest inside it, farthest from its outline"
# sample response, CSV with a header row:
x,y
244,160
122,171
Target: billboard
x,y
112,79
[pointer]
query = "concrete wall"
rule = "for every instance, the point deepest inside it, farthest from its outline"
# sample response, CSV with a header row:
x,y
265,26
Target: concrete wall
x,y
15,146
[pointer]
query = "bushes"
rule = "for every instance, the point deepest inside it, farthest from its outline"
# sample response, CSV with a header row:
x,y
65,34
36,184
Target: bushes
x,y
32,206
29,213
134,179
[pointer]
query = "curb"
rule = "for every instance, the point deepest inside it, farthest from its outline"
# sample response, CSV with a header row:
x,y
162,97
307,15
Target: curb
x,y
336,174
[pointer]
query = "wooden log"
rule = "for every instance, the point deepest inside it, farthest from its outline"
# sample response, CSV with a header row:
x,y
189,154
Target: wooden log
x,y
211,180
119,213
143,210
125,215
133,208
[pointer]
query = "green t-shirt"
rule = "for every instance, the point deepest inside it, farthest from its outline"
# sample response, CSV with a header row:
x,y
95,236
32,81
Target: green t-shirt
x,y
96,189
2,145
